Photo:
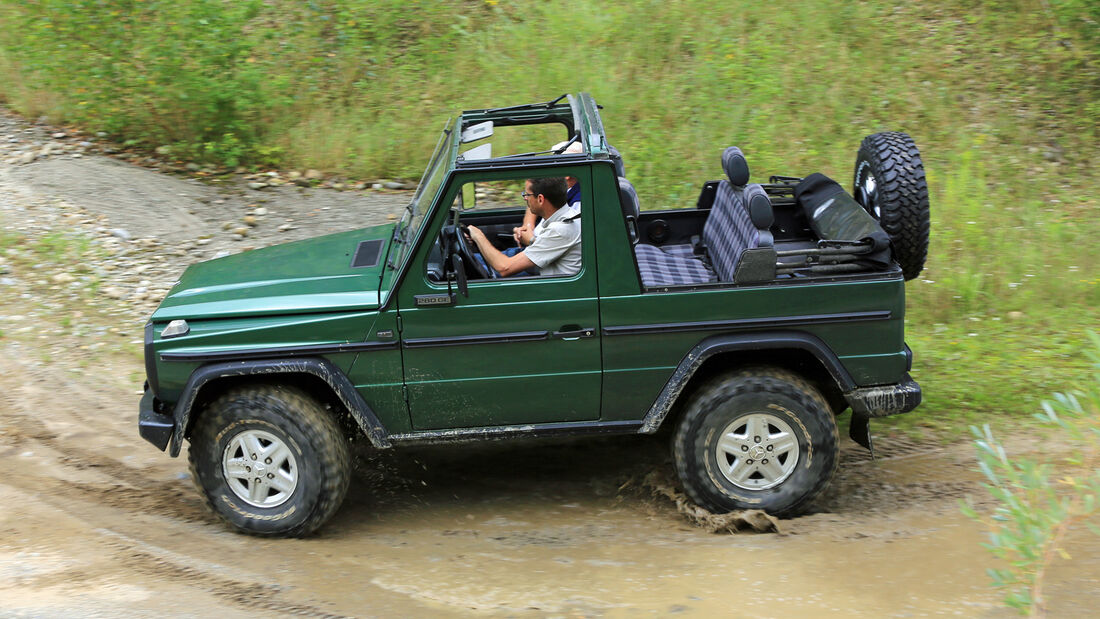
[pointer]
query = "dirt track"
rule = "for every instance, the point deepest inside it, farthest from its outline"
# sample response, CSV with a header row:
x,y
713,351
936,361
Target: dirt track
x,y
95,522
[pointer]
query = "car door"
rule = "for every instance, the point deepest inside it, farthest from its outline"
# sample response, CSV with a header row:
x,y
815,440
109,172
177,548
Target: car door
x,y
515,351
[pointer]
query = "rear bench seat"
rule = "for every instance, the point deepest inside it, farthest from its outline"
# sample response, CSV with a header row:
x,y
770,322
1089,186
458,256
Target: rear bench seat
x,y
737,242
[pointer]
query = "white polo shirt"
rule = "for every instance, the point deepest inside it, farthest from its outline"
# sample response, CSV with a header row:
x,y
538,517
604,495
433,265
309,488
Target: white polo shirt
x,y
556,249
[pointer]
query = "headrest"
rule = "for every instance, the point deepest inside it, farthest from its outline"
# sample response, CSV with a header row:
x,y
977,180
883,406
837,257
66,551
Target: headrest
x,y
733,162
628,197
617,159
760,207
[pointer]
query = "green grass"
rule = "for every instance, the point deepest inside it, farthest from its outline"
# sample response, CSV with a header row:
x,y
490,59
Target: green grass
x,y
1000,95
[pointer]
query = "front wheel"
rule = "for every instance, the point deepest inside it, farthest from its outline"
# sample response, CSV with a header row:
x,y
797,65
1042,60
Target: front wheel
x,y
759,438
270,460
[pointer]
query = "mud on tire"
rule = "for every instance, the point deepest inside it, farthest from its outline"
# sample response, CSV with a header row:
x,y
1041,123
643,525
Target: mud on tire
x,y
759,438
270,461
889,182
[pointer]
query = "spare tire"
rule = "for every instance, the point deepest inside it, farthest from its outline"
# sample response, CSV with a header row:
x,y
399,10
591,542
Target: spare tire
x,y
889,182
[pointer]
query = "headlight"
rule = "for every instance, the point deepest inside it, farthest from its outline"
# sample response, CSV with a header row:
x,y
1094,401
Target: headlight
x,y
175,328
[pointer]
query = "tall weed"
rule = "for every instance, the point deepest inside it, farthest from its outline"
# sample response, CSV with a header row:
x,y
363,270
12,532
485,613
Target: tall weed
x,y
1034,511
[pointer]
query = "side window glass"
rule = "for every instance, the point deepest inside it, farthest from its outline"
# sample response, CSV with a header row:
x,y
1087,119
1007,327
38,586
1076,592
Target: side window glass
x,y
489,195
507,226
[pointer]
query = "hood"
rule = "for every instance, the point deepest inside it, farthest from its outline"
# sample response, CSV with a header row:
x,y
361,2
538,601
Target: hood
x,y
338,272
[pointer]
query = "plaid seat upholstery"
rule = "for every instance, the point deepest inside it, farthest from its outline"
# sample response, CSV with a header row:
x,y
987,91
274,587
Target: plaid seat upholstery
x,y
684,250
658,268
729,231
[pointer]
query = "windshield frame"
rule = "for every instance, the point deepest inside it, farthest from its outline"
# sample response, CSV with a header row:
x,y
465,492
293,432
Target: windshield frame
x,y
412,220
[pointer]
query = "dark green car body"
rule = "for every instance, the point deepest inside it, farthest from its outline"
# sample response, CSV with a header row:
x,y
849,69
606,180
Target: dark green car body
x,y
360,321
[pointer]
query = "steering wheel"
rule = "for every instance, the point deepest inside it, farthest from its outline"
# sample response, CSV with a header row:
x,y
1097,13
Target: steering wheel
x,y
473,265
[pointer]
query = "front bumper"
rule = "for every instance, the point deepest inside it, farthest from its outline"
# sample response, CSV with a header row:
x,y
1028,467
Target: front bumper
x,y
885,400
153,426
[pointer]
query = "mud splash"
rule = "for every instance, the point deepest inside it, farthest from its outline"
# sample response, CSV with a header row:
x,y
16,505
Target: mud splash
x,y
660,484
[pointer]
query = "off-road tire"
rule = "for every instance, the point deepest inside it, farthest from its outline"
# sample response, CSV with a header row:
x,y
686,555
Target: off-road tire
x,y
899,200
762,392
313,437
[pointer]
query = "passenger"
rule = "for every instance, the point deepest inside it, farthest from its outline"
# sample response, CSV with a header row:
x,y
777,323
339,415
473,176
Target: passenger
x,y
556,246
524,234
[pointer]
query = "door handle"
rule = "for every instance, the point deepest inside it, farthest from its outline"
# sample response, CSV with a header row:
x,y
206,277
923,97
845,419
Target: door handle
x,y
572,332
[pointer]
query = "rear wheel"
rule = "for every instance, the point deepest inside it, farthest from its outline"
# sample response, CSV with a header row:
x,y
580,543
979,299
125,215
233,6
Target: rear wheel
x,y
759,438
889,182
270,460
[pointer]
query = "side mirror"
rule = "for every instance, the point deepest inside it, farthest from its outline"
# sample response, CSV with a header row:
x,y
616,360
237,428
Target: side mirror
x,y
458,272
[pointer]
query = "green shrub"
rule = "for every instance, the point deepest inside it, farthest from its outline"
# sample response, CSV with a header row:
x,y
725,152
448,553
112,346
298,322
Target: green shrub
x,y
1034,511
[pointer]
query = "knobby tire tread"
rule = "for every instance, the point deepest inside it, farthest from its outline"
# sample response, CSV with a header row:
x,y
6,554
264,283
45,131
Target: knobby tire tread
x,y
902,184
761,379
319,426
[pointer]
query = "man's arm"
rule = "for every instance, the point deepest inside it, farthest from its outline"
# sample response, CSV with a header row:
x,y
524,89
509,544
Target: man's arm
x,y
505,265
525,234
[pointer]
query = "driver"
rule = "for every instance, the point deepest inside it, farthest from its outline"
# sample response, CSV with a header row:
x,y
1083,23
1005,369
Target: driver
x,y
556,248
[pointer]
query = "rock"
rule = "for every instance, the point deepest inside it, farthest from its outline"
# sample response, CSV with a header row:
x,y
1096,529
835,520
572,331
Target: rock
x,y
121,233
163,150
202,242
249,220
285,227
302,182
242,230
391,216
7,281
228,225
393,185
1015,315
294,175
314,175
63,278
114,292
257,185
260,212
193,167
26,158
376,186
59,135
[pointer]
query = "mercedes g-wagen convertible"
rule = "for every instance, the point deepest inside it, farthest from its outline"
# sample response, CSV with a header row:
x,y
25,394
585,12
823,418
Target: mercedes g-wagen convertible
x,y
745,325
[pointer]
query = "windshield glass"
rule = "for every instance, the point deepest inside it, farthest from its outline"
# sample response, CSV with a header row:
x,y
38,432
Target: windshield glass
x,y
413,218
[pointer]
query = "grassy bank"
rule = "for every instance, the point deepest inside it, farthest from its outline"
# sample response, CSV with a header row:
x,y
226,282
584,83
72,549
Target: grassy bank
x,y
1003,97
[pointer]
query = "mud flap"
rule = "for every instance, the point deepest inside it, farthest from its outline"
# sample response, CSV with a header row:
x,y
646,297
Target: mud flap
x,y
860,431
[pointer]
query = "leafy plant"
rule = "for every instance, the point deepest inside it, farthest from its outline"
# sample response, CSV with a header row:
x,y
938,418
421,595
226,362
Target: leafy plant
x,y
1034,511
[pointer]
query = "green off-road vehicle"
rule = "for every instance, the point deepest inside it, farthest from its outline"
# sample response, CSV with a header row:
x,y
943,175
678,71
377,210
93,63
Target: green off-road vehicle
x,y
744,325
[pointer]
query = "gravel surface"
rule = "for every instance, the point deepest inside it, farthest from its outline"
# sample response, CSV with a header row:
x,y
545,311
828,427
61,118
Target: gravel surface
x,y
148,225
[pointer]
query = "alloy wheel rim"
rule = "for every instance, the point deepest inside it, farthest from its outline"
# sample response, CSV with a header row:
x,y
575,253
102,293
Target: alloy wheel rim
x,y
867,190
260,469
757,451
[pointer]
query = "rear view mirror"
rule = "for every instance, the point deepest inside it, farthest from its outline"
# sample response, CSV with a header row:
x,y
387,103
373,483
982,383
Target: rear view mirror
x,y
476,132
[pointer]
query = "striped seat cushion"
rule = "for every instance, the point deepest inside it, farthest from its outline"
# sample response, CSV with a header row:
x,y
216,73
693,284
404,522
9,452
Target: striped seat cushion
x,y
658,268
729,231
